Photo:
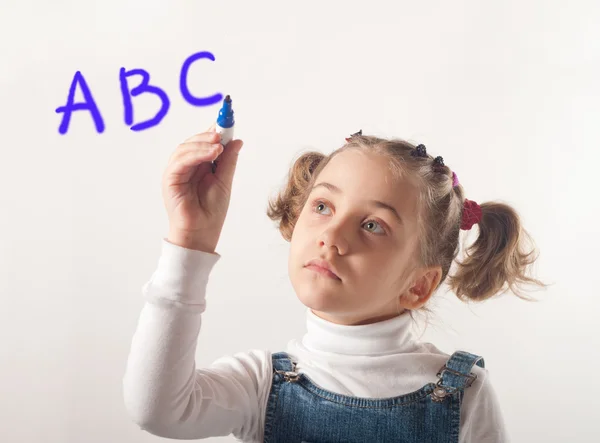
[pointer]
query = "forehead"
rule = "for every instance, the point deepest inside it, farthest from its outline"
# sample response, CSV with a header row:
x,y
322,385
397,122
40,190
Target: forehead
x,y
364,176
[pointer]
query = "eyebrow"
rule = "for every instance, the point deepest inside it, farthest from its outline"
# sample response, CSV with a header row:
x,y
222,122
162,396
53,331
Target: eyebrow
x,y
376,203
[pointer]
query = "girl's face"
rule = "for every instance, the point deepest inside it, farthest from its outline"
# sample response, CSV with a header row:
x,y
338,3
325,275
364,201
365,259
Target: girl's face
x,y
371,246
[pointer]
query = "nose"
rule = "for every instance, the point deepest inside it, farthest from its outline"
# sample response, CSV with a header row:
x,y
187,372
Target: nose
x,y
333,237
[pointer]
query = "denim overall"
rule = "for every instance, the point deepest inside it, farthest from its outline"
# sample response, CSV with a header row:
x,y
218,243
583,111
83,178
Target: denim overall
x,y
299,411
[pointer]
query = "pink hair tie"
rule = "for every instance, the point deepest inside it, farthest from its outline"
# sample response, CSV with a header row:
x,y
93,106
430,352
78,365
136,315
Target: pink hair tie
x,y
471,214
454,179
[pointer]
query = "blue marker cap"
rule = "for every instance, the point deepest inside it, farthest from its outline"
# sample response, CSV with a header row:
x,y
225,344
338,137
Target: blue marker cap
x,y
225,119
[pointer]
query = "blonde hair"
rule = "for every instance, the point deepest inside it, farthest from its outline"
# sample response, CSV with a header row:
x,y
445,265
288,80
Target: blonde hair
x,y
497,261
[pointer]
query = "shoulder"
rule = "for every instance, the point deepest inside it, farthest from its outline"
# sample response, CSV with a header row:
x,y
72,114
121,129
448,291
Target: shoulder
x,y
465,360
482,417
252,369
481,412
249,374
254,365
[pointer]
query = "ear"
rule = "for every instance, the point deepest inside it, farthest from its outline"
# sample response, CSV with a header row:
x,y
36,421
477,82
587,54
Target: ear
x,y
426,282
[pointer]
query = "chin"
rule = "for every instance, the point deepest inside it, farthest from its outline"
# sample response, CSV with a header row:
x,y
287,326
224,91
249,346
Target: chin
x,y
321,304
318,295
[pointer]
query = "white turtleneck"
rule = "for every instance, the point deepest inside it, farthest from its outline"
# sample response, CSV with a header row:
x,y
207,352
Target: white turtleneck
x,y
166,394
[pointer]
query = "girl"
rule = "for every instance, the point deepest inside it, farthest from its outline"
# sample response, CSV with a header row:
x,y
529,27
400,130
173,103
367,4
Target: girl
x,y
374,228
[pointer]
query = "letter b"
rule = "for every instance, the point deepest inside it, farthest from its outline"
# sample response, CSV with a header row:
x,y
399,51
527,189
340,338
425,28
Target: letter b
x,y
141,88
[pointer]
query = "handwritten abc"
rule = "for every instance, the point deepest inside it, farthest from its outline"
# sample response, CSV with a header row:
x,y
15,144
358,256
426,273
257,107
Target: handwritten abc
x,y
90,105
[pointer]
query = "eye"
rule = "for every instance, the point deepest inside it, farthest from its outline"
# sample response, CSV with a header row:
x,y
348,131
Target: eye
x,y
318,203
371,222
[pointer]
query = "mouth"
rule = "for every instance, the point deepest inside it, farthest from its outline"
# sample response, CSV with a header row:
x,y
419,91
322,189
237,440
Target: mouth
x,y
315,267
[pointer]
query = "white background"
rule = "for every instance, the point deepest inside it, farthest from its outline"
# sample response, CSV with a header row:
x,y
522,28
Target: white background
x,y
507,92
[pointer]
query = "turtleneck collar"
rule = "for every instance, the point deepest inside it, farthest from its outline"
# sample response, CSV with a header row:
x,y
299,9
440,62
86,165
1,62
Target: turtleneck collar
x,y
385,337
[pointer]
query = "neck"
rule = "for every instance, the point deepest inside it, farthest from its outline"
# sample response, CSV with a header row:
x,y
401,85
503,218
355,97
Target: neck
x,y
388,336
354,320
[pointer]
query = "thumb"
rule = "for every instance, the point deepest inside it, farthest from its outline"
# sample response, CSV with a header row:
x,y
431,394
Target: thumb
x,y
227,161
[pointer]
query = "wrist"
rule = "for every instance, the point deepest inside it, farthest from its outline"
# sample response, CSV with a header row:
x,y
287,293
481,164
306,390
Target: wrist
x,y
190,241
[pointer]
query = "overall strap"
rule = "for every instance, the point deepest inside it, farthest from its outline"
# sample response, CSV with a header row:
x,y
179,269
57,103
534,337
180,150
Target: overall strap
x,y
283,368
282,362
456,373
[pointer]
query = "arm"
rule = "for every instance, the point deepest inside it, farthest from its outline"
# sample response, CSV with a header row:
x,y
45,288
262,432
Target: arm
x,y
164,392
482,420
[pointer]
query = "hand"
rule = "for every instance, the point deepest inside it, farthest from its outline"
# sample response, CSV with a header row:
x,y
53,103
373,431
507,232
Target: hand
x,y
196,199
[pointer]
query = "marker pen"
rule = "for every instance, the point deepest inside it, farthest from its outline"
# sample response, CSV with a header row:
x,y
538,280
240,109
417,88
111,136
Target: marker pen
x,y
225,122
224,125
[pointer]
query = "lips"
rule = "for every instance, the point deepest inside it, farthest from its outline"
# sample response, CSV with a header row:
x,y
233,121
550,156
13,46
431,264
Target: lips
x,y
322,266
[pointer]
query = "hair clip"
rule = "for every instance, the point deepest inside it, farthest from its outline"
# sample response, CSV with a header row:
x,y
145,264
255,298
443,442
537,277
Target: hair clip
x,y
438,164
419,151
352,135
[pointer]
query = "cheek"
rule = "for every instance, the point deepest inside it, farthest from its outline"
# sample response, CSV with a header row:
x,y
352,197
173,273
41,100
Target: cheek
x,y
297,242
400,270
301,231
386,268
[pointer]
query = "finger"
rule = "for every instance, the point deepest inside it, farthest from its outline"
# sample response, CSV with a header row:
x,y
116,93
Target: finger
x,y
227,162
190,165
186,147
211,137
191,158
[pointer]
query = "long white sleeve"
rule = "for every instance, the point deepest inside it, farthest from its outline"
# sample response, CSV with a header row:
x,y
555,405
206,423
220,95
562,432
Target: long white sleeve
x,y
164,392
482,419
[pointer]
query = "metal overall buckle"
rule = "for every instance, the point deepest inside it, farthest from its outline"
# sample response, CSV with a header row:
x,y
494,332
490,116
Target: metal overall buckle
x,y
292,375
440,392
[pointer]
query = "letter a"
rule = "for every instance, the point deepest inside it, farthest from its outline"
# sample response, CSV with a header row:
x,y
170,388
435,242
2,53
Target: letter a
x,y
88,105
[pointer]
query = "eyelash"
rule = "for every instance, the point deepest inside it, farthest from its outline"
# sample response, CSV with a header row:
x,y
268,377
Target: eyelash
x,y
381,224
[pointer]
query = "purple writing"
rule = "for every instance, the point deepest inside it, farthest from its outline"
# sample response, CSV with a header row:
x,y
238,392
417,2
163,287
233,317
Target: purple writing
x,y
89,104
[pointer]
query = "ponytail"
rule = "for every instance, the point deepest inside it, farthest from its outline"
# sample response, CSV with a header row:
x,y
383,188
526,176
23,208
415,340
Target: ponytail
x,y
498,260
